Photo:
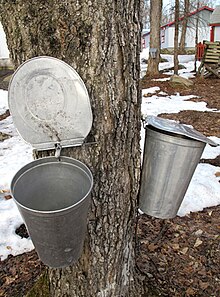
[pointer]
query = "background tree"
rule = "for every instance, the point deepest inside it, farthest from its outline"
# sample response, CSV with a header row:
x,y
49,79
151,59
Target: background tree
x,y
176,35
146,14
168,11
184,27
194,3
155,23
101,40
196,37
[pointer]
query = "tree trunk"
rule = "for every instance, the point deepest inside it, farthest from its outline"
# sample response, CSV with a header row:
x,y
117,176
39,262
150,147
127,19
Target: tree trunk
x,y
196,37
184,27
101,40
155,23
176,35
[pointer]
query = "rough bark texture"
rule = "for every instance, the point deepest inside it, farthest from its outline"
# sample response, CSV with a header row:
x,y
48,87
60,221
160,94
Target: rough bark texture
x,y
155,22
176,34
101,40
184,27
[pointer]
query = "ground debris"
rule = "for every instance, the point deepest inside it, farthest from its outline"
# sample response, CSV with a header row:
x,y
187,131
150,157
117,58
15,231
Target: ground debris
x,y
206,122
18,274
166,255
185,260
5,115
4,136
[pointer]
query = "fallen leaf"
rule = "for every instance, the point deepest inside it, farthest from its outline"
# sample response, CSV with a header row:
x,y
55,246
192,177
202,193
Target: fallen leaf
x,y
152,247
198,242
4,191
198,232
202,272
217,174
184,250
188,270
9,280
196,265
190,292
8,247
203,285
4,136
175,246
7,197
149,275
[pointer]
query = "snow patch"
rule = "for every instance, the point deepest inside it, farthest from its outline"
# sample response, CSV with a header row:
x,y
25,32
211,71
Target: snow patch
x,y
14,154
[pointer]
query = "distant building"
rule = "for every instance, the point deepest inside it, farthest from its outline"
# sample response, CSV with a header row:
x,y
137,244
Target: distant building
x,y
167,31
215,25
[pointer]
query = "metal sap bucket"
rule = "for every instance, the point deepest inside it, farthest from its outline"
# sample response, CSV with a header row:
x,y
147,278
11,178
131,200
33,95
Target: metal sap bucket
x,y
53,198
171,154
168,166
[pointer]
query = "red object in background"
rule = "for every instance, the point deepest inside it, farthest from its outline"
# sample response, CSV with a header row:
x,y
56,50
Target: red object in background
x,y
212,33
200,51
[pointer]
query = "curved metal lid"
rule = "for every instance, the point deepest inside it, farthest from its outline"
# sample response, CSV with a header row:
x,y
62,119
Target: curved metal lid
x,y
49,103
179,129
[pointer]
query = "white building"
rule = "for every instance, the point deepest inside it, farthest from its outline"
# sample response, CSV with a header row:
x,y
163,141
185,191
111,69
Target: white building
x,y
167,31
215,25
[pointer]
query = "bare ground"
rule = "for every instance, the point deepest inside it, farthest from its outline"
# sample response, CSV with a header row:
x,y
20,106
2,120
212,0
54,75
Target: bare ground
x,y
181,256
178,257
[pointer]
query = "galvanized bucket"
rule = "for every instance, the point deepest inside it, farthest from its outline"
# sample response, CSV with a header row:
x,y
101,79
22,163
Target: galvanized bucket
x,y
53,198
168,166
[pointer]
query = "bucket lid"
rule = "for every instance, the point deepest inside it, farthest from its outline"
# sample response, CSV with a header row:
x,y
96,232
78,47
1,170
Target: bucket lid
x,y
49,103
176,128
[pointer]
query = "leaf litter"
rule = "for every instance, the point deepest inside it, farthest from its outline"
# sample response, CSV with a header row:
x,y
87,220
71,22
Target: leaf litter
x,y
178,257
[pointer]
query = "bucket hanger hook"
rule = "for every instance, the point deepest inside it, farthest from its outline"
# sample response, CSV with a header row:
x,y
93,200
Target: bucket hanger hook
x,y
58,149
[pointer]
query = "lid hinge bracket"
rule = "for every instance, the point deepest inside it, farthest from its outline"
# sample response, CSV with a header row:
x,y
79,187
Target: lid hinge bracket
x,y
58,149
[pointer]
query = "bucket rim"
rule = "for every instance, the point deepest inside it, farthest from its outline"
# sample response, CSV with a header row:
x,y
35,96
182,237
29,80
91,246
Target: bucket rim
x,y
169,137
52,160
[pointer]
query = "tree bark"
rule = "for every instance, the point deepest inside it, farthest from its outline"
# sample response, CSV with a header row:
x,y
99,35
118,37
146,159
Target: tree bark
x,y
176,35
184,27
101,40
155,23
